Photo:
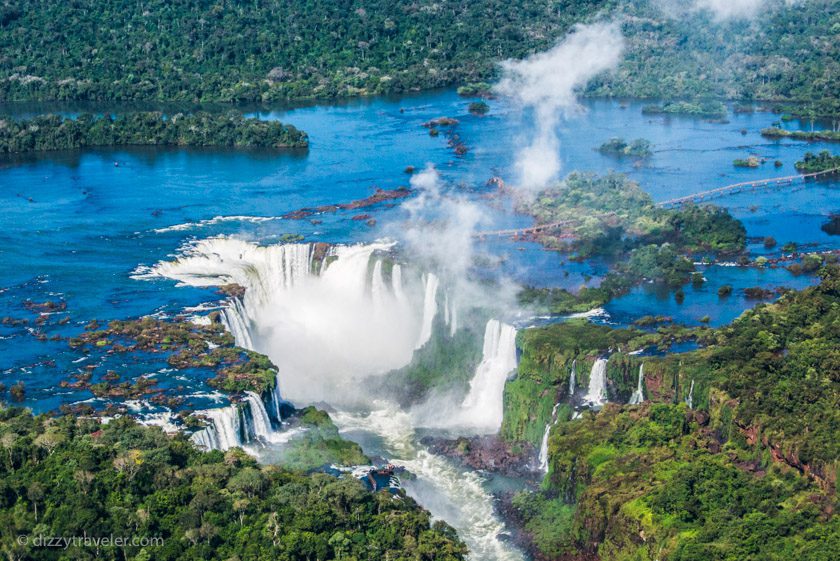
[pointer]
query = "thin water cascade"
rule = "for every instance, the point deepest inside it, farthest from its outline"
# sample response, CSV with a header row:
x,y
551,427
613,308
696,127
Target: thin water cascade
x,y
377,285
690,399
259,417
596,395
225,430
543,456
429,309
484,404
572,379
639,393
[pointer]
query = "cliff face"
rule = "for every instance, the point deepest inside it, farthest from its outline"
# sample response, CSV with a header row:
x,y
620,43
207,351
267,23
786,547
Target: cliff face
x,y
731,455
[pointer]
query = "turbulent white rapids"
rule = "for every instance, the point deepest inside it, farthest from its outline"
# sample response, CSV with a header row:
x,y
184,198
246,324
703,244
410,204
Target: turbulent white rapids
x,y
326,331
450,493
596,395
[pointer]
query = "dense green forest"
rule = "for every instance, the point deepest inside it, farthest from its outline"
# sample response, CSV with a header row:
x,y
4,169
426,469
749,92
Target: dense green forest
x,y
219,50
732,456
76,477
51,132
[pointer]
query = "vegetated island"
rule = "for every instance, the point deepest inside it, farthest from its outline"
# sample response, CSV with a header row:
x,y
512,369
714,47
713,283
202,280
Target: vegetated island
x,y
815,163
639,148
52,132
776,132
612,216
709,109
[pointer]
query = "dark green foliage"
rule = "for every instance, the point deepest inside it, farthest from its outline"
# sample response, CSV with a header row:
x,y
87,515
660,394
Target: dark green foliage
x,y
445,363
708,109
272,50
479,108
209,50
708,228
639,148
51,132
689,56
823,161
69,477
774,132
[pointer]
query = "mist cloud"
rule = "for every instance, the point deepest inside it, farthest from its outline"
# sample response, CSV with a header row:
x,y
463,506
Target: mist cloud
x,y
546,84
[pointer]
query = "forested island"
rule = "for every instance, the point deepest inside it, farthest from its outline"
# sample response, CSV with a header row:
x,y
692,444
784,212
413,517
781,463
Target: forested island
x,y
52,132
206,51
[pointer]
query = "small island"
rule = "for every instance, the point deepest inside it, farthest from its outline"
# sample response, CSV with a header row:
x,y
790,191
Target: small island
x,y
616,146
776,132
816,163
149,128
708,109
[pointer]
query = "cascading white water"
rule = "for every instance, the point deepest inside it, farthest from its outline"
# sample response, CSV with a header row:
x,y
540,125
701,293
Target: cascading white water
x,y
259,417
596,395
484,405
377,285
639,394
690,399
450,493
543,457
429,310
572,379
325,332
224,432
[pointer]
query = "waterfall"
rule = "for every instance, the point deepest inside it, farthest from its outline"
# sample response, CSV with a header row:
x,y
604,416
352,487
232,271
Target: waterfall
x,y
572,376
259,417
596,395
639,395
449,491
377,284
225,431
690,399
483,406
429,310
326,331
543,457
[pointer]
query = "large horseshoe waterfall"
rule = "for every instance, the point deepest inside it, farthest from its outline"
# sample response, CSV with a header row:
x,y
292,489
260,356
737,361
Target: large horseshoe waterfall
x,y
330,318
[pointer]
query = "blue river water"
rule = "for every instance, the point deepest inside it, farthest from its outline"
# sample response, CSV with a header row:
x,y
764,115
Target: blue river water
x,y
77,224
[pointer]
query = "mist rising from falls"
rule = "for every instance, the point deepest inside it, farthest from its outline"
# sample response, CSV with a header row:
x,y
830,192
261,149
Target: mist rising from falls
x,y
325,329
596,395
639,393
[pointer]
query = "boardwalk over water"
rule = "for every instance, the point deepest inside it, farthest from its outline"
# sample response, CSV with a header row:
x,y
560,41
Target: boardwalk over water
x,y
744,186
521,231
693,198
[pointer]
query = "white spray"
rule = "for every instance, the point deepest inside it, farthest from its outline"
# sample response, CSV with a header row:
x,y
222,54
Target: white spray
x,y
547,82
596,395
639,394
